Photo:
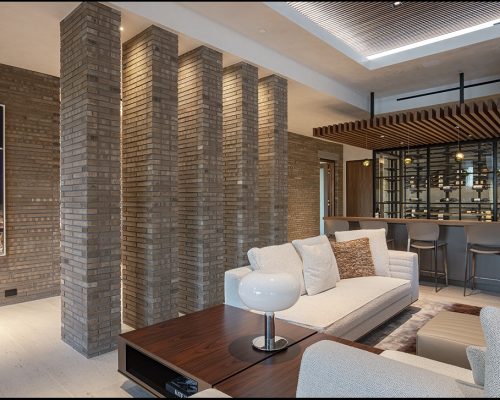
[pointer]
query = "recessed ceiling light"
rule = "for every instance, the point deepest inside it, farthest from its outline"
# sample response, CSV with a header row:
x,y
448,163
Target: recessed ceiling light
x,y
434,39
262,30
382,136
397,3
121,28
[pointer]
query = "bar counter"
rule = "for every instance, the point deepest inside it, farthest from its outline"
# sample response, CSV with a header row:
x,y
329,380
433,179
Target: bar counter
x,y
408,220
450,231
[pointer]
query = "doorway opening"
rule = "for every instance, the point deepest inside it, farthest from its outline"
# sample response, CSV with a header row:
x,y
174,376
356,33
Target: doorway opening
x,y
327,204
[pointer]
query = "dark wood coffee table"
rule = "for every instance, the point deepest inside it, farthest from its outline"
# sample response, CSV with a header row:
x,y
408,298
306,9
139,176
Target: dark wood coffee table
x,y
213,348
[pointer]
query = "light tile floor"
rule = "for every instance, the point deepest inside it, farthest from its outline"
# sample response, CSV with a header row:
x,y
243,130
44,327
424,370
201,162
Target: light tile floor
x,y
35,362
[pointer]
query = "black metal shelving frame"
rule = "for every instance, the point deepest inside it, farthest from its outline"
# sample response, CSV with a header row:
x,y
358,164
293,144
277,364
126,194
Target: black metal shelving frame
x,y
399,179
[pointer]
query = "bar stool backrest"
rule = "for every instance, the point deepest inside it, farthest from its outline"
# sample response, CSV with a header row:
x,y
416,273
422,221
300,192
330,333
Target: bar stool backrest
x,y
426,231
483,234
335,225
374,225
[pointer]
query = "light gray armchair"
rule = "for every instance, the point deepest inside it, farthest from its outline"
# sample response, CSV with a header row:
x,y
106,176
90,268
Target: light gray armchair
x,y
330,369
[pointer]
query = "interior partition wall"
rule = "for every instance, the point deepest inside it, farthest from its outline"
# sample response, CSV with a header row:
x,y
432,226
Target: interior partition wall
x,y
434,185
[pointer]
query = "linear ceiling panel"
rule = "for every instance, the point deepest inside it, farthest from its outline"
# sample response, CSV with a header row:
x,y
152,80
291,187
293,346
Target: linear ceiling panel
x,y
374,27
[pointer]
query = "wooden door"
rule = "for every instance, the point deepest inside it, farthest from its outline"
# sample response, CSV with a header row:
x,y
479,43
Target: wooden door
x,y
359,189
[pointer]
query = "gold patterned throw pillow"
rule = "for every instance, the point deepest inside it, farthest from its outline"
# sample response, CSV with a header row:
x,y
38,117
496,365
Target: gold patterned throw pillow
x,y
354,258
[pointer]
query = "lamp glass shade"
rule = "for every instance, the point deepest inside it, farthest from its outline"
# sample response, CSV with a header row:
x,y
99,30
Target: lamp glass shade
x,y
366,163
269,291
408,160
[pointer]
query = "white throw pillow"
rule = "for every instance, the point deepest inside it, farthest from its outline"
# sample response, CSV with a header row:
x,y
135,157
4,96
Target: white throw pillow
x,y
378,246
321,239
319,268
279,258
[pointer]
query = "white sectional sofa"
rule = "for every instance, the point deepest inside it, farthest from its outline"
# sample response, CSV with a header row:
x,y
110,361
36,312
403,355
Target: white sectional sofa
x,y
354,306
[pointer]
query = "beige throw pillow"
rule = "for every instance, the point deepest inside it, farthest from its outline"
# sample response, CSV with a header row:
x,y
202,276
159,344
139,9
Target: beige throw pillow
x,y
320,268
279,258
321,239
354,258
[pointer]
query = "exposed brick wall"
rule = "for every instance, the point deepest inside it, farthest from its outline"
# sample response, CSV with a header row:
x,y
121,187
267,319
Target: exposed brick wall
x,y
90,178
149,178
201,207
31,265
240,148
303,183
273,160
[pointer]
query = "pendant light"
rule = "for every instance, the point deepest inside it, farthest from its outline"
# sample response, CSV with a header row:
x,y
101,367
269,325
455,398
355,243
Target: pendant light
x,y
408,159
459,156
366,161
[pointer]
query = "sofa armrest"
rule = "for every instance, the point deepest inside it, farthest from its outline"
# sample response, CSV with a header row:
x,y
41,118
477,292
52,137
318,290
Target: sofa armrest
x,y
331,369
404,265
232,280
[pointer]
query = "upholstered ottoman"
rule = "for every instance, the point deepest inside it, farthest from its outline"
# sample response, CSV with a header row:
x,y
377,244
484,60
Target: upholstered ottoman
x,y
445,337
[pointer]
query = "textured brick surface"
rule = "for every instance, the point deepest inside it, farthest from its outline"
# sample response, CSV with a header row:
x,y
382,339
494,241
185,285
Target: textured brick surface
x,y
273,161
240,126
90,178
201,245
149,178
303,183
31,265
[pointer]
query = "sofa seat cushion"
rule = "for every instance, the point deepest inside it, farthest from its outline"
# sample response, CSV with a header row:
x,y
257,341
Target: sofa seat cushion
x,y
339,308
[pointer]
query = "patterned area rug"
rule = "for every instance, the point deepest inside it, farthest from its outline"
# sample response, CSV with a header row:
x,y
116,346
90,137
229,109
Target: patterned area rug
x,y
400,332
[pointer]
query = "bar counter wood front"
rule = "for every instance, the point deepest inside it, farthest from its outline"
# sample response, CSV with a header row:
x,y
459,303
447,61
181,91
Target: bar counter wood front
x,y
450,231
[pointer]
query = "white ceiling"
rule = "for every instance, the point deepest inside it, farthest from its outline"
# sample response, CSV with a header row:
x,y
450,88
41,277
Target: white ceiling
x,y
326,86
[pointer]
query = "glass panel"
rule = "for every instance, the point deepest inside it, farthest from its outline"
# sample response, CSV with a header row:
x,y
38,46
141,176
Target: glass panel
x,y
445,184
477,195
415,183
388,184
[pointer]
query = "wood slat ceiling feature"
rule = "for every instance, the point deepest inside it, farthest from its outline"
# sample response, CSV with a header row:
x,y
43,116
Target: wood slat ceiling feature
x,y
371,27
476,120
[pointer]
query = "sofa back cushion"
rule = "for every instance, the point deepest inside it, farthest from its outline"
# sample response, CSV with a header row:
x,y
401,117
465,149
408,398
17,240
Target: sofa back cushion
x,y
320,268
354,258
317,240
378,246
278,258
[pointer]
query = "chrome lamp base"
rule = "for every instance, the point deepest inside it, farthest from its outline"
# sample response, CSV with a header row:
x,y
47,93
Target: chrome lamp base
x,y
269,342
275,344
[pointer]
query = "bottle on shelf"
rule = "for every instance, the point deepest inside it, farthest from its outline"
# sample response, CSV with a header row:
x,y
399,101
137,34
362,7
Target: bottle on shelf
x,y
480,200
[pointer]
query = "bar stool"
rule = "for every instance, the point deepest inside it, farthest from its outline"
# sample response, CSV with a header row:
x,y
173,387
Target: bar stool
x,y
425,236
481,239
378,225
335,225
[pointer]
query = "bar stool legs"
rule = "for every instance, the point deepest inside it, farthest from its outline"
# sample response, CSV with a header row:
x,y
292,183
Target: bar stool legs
x,y
445,262
466,268
434,253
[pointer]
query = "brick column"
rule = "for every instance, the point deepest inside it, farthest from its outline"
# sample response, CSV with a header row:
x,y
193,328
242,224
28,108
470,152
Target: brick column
x,y
90,178
149,178
201,246
273,161
240,148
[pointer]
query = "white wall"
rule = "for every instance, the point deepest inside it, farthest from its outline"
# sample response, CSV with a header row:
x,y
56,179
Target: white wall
x,y
353,153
